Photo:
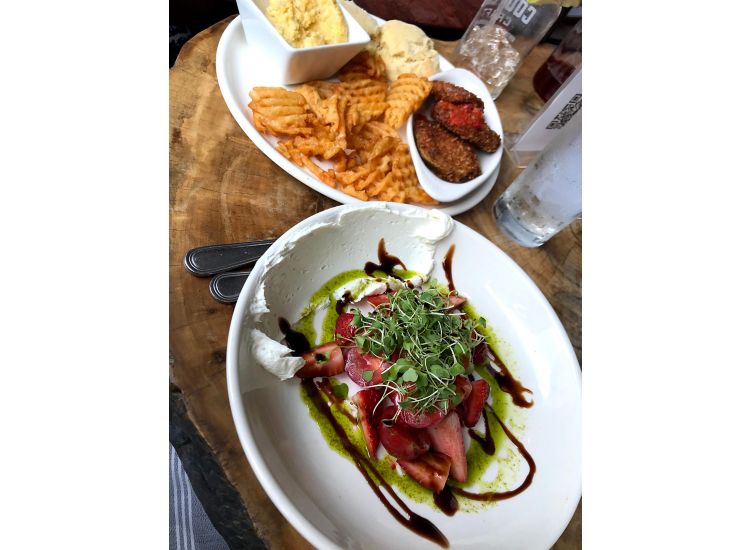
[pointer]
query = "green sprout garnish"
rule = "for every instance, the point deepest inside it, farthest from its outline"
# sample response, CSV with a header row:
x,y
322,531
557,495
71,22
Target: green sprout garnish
x,y
435,343
339,390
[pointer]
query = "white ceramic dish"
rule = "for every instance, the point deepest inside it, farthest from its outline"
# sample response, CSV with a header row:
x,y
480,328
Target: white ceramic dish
x,y
292,65
238,69
322,494
440,189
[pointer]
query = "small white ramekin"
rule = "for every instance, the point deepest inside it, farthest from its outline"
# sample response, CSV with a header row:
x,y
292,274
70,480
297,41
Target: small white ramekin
x,y
291,65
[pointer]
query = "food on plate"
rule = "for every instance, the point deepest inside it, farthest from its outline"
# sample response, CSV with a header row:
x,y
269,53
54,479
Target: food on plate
x,y
404,49
444,153
457,123
402,375
466,121
280,112
454,94
364,65
306,23
351,126
405,95
362,17
366,98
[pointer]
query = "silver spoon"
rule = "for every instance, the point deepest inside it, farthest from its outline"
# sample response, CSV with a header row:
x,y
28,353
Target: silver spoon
x,y
226,287
218,258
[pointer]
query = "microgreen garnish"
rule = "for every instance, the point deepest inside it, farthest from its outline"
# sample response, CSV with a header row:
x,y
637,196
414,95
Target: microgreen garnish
x,y
434,342
340,390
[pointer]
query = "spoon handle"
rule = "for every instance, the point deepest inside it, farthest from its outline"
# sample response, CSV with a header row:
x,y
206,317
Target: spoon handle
x,y
217,258
226,287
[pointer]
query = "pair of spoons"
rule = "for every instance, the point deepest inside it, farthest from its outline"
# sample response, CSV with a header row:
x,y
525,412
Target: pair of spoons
x,y
218,260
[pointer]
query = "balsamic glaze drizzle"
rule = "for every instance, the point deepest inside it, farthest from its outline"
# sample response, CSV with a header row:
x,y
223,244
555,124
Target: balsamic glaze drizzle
x,y
387,262
325,386
342,303
405,516
296,341
508,384
446,501
485,441
503,495
448,267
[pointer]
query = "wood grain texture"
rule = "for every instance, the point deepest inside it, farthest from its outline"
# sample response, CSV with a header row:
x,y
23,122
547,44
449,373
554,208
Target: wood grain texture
x,y
223,189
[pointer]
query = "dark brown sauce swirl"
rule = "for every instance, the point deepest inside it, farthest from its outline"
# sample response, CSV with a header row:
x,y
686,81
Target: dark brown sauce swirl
x,y
448,267
387,262
343,302
296,341
508,384
327,387
485,441
503,376
407,518
446,501
503,495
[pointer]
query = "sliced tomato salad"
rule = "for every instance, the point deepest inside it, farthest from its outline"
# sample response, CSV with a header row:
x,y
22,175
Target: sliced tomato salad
x,y
412,357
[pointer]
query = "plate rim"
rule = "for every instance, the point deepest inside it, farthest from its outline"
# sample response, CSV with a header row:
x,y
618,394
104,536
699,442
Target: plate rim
x,y
223,55
249,446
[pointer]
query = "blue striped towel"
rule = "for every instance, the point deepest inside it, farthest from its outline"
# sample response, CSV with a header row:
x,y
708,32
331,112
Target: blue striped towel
x,y
189,526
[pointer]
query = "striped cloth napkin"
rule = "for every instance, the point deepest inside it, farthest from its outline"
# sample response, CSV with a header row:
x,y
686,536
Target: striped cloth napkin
x,y
189,526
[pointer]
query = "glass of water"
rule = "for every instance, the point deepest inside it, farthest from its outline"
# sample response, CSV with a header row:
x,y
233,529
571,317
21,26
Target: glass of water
x,y
546,196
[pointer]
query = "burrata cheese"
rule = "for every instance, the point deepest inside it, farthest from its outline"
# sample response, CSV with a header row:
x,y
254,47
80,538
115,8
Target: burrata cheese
x,y
295,267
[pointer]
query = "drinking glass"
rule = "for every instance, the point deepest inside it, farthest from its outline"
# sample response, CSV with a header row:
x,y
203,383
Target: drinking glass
x,y
546,196
501,35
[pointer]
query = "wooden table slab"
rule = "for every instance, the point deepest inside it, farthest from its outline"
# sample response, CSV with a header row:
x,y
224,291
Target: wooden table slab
x,y
223,189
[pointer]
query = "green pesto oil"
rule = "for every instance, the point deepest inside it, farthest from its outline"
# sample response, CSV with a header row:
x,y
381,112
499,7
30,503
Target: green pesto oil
x,y
508,460
386,466
485,472
324,295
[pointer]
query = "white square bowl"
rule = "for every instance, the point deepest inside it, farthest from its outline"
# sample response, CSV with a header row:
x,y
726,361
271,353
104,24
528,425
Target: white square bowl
x,y
291,65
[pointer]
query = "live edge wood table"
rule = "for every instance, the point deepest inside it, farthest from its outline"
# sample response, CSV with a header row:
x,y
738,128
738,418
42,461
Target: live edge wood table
x,y
223,189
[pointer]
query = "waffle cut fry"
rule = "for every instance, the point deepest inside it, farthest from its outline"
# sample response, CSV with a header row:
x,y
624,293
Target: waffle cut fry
x,y
340,131
330,112
362,66
405,95
280,112
366,101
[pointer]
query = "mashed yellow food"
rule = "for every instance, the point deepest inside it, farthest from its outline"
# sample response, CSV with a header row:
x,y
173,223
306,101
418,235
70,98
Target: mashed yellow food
x,y
305,23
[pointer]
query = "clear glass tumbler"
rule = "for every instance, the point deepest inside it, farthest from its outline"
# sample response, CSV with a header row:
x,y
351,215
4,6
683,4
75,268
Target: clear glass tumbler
x,y
501,35
546,196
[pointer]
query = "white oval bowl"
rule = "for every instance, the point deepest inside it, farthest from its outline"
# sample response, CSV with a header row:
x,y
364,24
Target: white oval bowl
x,y
322,494
290,65
446,191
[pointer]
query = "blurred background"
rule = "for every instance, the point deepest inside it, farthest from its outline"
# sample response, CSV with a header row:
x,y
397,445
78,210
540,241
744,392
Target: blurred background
x,y
440,19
